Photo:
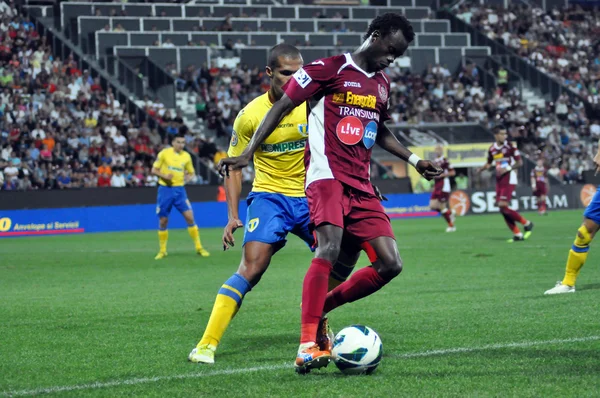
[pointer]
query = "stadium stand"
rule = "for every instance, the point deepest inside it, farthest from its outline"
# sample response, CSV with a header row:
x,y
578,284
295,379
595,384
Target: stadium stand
x,y
134,73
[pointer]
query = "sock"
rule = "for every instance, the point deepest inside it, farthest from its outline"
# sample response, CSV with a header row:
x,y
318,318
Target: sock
x,y
195,235
577,256
510,223
515,216
228,302
163,237
339,274
314,291
447,214
542,206
362,283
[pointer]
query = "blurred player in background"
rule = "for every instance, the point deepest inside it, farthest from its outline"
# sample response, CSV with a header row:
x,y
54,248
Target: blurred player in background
x,y
507,160
540,186
441,189
352,102
277,204
174,168
579,251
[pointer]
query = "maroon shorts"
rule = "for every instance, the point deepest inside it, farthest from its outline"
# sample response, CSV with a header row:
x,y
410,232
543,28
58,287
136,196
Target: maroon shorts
x,y
441,196
504,192
540,190
360,214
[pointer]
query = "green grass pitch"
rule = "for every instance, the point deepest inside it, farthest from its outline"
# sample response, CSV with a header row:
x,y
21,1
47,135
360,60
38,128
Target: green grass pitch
x,y
96,315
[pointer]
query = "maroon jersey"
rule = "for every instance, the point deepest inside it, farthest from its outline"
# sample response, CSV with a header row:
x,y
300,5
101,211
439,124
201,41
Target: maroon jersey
x,y
442,184
504,155
342,127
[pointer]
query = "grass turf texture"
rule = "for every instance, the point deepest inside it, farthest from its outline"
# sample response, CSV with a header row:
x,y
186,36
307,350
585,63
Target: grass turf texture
x,y
84,309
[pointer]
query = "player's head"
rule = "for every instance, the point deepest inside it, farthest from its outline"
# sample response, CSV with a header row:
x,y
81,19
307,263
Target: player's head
x,y
387,38
178,142
284,61
500,134
439,150
540,162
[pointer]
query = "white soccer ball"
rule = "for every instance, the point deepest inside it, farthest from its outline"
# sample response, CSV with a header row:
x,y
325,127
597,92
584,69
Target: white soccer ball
x,y
357,350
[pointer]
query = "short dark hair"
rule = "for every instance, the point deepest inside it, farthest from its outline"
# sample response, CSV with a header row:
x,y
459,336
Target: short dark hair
x,y
498,128
178,135
282,50
391,22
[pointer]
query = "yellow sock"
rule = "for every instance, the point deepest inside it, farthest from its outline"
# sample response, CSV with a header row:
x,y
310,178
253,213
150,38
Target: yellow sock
x,y
227,304
339,273
577,256
195,235
163,237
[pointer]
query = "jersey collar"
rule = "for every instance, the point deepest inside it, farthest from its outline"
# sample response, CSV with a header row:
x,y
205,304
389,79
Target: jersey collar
x,y
350,61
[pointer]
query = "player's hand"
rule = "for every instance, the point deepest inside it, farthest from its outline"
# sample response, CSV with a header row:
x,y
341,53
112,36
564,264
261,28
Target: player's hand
x,y
428,169
168,177
228,239
234,163
378,193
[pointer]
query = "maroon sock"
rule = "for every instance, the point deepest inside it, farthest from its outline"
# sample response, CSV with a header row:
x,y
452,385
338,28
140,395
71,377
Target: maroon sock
x,y
362,283
314,291
516,217
447,214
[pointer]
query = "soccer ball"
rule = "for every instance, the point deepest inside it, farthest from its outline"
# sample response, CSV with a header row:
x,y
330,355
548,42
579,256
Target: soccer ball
x,y
357,350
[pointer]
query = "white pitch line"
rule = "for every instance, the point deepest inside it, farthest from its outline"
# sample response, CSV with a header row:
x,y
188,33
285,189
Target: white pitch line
x,y
146,380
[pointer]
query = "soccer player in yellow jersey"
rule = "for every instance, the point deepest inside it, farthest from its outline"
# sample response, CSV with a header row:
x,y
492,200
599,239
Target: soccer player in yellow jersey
x,y
581,246
276,206
174,168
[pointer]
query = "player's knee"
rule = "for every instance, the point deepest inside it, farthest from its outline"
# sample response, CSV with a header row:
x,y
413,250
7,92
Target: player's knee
x,y
329,251
390,268
163,222
584,237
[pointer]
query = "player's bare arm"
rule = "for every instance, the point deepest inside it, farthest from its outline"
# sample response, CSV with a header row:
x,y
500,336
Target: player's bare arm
x,y
167,177
388,141
233,191
280,109
597,160
484,167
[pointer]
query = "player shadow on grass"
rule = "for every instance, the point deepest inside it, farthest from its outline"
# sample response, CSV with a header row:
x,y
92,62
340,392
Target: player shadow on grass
x,y
589,286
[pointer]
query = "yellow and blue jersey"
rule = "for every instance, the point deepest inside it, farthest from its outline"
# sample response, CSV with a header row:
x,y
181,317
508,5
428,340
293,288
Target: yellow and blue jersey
x,y
172,193
279,161
170,162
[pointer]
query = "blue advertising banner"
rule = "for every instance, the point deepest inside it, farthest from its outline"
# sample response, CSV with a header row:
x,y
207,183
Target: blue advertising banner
x,y
143,217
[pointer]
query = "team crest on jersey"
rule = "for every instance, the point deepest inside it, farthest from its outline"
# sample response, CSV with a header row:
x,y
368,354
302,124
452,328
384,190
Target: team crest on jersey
x,y
383,92
252,224
303,129
234,138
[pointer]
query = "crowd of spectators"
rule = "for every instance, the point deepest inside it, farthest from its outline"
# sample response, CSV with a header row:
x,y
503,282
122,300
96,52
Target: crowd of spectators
x,y
561,42
59,128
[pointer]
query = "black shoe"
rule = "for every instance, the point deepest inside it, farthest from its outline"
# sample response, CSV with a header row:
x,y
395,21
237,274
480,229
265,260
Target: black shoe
x,y
529,227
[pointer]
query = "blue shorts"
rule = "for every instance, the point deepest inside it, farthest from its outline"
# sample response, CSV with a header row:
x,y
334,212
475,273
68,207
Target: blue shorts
x,y
271,216
169,197
592,211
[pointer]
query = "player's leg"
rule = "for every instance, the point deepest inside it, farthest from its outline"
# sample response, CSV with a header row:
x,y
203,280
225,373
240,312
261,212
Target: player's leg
x,y
581,246
255,261
183,205
446,212
327,200
164,203
264,235
542,204
511,217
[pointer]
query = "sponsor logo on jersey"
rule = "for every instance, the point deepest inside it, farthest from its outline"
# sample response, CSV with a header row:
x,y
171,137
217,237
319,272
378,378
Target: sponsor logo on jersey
x,y
370,134
175,168
302,78
234,138
349,130
352,84
364,101
285,125
382,92
252,224
283,147
358,112
338,98
303,129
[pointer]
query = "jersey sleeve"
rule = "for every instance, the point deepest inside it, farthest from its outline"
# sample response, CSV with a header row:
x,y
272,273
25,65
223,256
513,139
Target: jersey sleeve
x,y
490,159
310,80
515,152
243,130
159,160
189,166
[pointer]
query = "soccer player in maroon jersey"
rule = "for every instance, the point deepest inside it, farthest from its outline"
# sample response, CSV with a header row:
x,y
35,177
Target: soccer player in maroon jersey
x,y
540,185
441,190
507,159
351,91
